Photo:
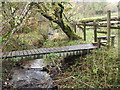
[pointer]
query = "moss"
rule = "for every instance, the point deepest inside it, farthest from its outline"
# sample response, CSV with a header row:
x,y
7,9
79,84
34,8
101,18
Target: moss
x,y
70,32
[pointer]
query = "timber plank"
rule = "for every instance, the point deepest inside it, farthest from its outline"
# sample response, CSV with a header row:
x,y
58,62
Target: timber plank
x,y
36,51
9,54
100,42
46,50
112,22
63,49
39,50
17,53
60,49
82,47
55,50
29,52
25,52
42,50
5,54
102,32
21,53
13,53
105,37
49,50
33,52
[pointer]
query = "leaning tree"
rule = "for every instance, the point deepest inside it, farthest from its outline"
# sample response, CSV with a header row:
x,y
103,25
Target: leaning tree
x,y
53,11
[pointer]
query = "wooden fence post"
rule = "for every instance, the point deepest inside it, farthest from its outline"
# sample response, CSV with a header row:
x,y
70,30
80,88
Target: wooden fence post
x,y
118,29
99,43
108,27
75,27
95,31
112,41
84,31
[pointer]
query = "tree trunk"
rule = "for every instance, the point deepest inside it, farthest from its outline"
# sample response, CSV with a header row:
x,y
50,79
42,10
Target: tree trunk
x,y
58,19
66,28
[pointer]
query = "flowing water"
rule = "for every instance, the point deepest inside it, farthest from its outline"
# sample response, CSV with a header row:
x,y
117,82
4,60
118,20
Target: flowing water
x,y
31,76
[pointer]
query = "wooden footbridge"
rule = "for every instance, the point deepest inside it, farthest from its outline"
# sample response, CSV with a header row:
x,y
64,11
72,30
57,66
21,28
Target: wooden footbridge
x,y
40,52
70,50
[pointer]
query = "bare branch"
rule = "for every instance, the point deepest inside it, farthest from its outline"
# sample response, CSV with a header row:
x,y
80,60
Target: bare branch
x,y
26,10
72,77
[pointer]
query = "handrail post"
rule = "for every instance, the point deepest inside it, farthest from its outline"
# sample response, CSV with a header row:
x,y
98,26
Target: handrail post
x,y
118,29
99,43
84,31
112,41
95,31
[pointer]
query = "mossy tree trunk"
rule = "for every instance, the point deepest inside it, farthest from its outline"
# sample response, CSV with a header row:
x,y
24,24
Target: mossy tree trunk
x,y
68,30
57,17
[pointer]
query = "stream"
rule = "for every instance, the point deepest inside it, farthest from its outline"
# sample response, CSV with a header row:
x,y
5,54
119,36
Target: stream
x,y
31,75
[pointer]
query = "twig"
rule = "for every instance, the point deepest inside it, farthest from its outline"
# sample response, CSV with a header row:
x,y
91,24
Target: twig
x,y
62,79
27,8
75,79
66,17
83,82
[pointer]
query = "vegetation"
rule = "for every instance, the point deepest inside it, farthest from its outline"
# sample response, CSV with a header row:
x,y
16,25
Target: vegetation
x,y
51,24
54,12
100,69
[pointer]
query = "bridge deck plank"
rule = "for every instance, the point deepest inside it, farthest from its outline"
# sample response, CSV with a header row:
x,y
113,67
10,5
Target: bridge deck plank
x,y
28,51
33,52
21,53
36,51
49,50
17,53
45,51
13,53
25,52
53,49
8,54
42,50
5,54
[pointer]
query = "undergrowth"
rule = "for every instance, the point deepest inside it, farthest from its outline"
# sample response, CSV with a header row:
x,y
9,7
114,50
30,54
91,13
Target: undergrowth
x,y
99,69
